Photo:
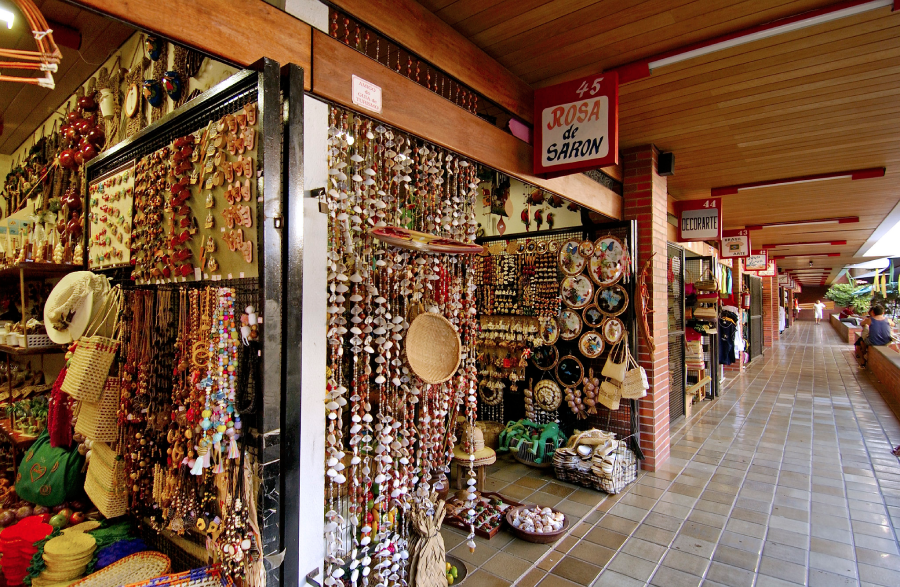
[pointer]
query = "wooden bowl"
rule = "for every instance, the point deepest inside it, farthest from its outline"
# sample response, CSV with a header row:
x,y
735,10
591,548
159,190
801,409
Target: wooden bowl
x,y
543,538
461,569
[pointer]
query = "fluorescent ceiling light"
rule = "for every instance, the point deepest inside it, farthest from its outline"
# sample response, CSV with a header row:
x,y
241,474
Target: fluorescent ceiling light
x,y
822,243
8,17
805,255
842,220
778,27
853,174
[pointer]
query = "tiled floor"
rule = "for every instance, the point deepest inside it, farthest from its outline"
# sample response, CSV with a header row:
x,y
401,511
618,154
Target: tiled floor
x,y
786,480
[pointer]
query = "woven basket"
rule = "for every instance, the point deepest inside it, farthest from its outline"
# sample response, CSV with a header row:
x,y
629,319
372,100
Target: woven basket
x,y
105,482
203,577
573,469
36,341
97,420
635,385
491,432
433,348
94,354
142,566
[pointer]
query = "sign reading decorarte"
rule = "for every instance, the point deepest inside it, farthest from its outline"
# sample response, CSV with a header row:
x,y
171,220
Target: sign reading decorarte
x,y
576,125
699,220
735,244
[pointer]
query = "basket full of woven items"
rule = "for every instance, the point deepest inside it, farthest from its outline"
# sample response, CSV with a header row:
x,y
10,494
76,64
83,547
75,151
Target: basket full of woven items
x,y
595,459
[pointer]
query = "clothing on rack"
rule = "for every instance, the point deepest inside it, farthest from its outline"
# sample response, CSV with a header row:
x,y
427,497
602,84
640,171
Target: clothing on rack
x,y
728,324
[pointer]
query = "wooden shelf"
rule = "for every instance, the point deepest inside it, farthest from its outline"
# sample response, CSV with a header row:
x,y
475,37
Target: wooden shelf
x,y
42,270
43,350
17,439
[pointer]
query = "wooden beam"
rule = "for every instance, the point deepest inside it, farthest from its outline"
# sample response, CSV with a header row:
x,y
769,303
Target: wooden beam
x,y
413,108
413,27
236,32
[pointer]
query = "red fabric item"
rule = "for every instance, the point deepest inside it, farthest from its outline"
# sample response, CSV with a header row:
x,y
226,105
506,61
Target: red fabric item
x,y
690,334
59,419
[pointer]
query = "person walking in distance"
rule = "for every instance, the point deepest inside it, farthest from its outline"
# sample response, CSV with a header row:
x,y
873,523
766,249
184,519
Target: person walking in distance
x,y
818,307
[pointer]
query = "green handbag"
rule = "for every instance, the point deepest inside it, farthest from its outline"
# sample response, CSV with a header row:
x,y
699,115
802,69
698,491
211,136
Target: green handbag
x,y
50,476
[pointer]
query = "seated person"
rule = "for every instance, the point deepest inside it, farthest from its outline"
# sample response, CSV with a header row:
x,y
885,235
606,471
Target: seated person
x,y
876,332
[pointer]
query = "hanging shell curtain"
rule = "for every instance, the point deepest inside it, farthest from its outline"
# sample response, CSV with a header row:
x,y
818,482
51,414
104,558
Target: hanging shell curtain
x,y
390,435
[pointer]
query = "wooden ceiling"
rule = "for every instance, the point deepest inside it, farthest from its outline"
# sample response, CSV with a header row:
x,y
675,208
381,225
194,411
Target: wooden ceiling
x,y
24,106
818,100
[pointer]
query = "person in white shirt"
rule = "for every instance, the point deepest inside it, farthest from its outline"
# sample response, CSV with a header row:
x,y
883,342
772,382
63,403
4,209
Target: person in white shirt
x,y
818,307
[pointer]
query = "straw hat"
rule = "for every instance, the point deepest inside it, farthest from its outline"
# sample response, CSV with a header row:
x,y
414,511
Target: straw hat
x,y
433,348
483,455
73,302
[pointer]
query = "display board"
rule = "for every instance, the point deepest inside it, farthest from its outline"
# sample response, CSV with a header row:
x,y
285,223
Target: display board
x,y
110,203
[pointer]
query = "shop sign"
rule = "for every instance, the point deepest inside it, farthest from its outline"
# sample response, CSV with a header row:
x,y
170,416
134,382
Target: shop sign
x,y
735,244
366,94
699,220
785,281
758,261
769,271
577,125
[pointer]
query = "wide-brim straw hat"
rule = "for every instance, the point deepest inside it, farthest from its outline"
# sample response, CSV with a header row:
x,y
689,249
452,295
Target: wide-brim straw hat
x,y
433,348
485,456
72,304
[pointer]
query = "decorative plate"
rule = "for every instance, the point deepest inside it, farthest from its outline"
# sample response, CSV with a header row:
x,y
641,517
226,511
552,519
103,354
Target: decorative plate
x,y
593,317
612,301
569,371
586,248
531,247
569,324
571,262
613,329
591,344
422,241
576,291
607,263
549,330
547,395
545,357
552,247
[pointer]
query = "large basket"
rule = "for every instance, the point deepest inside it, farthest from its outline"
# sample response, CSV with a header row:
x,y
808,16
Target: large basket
x,y
573,469
142,566
491,432
97,420
105,482
94,354
433,348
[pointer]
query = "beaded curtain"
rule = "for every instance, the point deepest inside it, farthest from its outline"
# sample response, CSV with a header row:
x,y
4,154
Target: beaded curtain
x,y
390,435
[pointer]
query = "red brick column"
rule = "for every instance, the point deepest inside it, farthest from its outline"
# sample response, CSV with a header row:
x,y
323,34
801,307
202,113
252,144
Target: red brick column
x,y
645,194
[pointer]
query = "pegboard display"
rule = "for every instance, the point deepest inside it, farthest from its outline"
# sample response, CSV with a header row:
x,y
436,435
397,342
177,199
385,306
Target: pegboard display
x,y
110,201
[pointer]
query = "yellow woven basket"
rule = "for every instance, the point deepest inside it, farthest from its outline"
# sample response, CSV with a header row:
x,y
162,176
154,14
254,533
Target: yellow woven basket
x,y
105,482
97,420
433,348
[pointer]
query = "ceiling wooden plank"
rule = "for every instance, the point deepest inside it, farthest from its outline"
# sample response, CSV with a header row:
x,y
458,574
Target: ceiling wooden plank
x,y
235,32
413,27
413,108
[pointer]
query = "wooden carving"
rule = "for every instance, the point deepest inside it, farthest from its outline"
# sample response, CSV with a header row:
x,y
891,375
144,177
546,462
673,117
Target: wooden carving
x,y
644,295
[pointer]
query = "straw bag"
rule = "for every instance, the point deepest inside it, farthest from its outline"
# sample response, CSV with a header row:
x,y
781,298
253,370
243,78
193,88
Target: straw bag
x,y
704,313
609,394
707,283
97,420
105,483
94,354
616,370
635,385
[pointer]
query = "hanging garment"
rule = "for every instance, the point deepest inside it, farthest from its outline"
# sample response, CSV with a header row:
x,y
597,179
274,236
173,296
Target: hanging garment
x,y
727,330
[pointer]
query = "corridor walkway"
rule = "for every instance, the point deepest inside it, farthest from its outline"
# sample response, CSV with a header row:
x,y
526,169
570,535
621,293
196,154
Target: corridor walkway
x,y
787,480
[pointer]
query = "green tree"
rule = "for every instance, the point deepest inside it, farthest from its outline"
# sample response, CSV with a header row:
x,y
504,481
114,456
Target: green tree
x,y
850,296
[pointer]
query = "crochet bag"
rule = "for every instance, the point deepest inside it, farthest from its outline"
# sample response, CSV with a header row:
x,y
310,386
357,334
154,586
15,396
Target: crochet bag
x,y
635,385
94,354
49,476
613,369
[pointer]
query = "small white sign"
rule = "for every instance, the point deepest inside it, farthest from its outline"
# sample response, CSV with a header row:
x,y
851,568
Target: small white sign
x,y
366,94
758,262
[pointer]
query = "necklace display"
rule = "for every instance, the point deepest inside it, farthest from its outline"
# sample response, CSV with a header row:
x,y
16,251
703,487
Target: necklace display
x,y
388,441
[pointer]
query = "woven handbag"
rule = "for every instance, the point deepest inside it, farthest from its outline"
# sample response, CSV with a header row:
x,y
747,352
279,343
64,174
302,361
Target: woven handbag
x,y
635,385
613,369
97,420
105,482
94,354
609,394
706,283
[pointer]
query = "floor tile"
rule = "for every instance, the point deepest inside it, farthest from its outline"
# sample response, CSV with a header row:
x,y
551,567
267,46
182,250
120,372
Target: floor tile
x,y
506,566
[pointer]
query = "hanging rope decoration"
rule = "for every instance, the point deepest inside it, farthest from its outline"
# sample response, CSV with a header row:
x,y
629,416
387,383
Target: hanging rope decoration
x,y
45,59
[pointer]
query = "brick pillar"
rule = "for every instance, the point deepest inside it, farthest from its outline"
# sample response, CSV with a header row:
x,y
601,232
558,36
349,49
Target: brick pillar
x,y
645,195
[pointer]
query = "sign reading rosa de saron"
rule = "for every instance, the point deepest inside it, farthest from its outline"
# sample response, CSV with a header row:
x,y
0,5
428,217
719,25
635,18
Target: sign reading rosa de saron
x,y
576,126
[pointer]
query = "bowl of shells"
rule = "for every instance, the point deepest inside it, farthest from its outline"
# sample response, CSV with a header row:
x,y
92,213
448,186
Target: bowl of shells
x,y
536,524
